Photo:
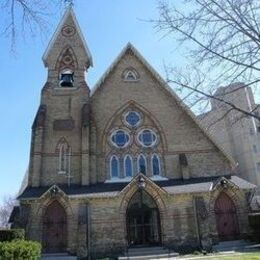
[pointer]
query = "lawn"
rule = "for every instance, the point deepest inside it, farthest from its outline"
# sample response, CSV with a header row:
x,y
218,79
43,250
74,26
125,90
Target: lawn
x,y
242,256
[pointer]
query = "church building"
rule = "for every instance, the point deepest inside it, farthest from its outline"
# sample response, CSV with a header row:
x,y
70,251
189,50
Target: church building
x,y
124,163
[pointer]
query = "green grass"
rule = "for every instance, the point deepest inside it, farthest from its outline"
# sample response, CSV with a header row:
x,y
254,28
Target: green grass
x,y
242,256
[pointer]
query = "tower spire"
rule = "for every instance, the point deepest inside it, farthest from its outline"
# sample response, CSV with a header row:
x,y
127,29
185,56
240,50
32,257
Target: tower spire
x,y
68,33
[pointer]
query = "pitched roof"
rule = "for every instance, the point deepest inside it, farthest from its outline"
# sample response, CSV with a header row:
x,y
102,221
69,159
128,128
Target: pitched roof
x,y
68,12
163,83
172,186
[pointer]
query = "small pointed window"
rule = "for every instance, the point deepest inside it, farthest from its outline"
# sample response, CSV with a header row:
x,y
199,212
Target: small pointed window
x,y
130,75
156,165
128,165
114,167
64,158
142,164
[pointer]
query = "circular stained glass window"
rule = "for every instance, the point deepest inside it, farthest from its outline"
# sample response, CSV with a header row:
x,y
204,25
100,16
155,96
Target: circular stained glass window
x,y
132,118
147,138
120,138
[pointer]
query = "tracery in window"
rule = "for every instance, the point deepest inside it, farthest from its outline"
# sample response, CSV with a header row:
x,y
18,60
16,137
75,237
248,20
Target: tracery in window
x,y
142,164
128,166
132,118
120,138
147,138
155,164
114,167
130,75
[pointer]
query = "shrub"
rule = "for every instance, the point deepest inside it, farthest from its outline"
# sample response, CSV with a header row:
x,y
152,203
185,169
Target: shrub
x,y
20,250
11,234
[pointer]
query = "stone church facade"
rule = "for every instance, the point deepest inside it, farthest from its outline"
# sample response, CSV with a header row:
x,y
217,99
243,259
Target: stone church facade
x,y
123,164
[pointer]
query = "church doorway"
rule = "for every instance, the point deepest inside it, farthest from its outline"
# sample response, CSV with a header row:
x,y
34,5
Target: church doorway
x,y
143,220
226,218
54,229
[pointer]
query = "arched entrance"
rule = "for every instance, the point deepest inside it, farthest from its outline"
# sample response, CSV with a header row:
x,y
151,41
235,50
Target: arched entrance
x,y
54,229
226,217
143,220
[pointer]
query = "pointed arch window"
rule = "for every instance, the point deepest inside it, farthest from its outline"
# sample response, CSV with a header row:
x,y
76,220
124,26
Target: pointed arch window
x,y
128,166
114,167
156,167
64,158
142,164
130,74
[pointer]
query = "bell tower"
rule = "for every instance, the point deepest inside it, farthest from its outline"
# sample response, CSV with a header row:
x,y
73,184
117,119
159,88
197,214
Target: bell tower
x,y
60,132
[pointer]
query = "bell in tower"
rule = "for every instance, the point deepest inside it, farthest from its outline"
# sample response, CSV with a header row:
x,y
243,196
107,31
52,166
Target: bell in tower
x,y
66,78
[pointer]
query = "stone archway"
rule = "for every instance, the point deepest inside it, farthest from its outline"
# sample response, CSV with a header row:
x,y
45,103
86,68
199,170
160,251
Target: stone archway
x,y
226,217
54,228
143,220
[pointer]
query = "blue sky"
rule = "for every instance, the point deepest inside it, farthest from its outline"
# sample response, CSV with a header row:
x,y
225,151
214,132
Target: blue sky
x,y
107,26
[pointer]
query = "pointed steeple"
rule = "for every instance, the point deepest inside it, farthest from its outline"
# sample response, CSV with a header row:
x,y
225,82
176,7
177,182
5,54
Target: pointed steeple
x,y
67,48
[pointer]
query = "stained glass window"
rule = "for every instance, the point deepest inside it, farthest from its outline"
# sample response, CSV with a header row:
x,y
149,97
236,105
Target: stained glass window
x,y
155,165
142,164
120,138
114,167
132,118
147,138
128,166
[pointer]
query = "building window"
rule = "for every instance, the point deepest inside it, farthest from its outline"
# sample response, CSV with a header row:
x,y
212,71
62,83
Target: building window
x,y
132,118
130,75
128,166
114,167
120,138
147,138
142,164
156,165
255,148
64,158
66,78
258,129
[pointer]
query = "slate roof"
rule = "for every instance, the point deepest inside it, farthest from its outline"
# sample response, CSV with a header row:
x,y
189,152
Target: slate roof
x,y
172,186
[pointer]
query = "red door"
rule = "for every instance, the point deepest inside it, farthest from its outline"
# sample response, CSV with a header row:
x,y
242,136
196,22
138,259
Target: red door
x,y
54,229
226,218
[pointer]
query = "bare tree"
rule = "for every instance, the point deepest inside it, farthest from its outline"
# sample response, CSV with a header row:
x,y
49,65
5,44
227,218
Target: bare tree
x,y
223,42
5,210
27,18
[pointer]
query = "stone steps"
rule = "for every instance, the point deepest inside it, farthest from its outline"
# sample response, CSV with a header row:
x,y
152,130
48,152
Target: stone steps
x,y
147,253
235,245
58,256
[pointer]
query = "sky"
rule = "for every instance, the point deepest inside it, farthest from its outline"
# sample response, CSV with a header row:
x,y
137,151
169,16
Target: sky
x,y
107,25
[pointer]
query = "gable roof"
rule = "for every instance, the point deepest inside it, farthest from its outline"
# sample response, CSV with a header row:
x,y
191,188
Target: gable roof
x,y
68,12
163,83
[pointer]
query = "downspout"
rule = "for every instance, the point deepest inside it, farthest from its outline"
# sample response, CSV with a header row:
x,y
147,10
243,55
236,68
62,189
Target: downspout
x,y
197,223
88,231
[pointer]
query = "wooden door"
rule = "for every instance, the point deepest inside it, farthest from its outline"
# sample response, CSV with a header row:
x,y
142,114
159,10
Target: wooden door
x,y
226,218
54,229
